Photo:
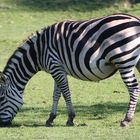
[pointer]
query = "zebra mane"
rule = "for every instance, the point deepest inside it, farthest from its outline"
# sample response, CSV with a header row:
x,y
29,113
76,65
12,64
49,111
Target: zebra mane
x,y
20,46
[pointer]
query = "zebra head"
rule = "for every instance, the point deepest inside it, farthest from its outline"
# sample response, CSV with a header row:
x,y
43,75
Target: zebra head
x,y
5,118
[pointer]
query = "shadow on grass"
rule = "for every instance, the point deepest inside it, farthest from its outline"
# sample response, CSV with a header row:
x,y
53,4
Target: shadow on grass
x,y
65,5
93,112
83,111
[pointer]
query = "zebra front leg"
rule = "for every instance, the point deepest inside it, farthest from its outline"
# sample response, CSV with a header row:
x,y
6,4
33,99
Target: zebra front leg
x,y
129,79
62,83
56,97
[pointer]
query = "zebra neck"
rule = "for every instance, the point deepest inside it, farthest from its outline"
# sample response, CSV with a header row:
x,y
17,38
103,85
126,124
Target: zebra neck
x,y
18,78
21,66
31,57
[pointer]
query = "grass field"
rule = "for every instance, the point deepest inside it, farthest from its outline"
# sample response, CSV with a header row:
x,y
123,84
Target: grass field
x,y
99,106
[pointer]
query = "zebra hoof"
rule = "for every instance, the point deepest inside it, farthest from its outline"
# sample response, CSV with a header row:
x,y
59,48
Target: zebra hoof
x,y
69,123
124,123
5,124
48,124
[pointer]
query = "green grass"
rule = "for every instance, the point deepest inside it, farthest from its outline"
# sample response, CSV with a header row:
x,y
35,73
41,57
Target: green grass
x,y
99,106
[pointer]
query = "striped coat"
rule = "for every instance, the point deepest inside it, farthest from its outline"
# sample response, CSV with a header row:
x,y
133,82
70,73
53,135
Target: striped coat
x,y
90,50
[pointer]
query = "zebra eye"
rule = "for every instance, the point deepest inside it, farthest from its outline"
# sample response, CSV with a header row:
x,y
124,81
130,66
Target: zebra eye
x,y
4,82
3,79
2,98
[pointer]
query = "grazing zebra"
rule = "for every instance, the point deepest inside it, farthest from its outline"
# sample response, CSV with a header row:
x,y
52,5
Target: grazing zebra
x,y
90,50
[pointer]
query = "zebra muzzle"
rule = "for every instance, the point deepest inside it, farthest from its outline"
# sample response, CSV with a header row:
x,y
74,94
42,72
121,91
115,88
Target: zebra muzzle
x,y
5,124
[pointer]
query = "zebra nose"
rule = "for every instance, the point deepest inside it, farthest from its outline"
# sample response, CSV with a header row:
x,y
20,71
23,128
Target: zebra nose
x,y
5,124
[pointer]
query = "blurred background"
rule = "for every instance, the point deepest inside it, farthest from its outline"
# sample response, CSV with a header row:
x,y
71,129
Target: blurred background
x,y
99,106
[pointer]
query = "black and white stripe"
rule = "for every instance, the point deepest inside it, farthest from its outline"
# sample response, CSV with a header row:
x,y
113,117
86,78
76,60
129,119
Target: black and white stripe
x,y
90,50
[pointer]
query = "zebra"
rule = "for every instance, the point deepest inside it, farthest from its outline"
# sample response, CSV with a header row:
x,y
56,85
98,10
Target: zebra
x,y
90,50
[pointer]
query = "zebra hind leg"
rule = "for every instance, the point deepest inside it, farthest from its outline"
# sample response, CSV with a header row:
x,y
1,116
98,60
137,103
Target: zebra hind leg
x,y
53,114
131,83
138,66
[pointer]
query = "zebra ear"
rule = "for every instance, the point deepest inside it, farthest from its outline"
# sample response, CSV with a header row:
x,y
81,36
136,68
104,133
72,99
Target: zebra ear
x,y
3,78
1,73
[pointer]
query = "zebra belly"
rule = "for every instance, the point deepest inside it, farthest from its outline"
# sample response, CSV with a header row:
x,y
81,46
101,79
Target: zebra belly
x,y
103,69
96,73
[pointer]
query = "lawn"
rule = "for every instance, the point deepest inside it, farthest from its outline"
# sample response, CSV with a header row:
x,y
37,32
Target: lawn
x,y
99,106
